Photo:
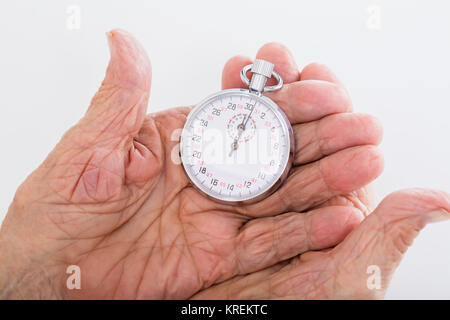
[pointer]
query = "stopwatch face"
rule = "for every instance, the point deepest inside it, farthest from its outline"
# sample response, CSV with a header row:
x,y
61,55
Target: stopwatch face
x,y
236,146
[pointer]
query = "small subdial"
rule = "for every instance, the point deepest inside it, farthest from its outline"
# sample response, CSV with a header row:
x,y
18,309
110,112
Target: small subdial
x,y
236,123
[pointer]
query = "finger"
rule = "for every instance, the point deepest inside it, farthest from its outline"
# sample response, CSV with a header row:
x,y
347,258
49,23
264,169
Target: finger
x,y
316,71
318,96
317,182
317,139
372,252
231,72
255,285
318,93
283,61
118,108
101,150
309,100
275,53
266,241
362,199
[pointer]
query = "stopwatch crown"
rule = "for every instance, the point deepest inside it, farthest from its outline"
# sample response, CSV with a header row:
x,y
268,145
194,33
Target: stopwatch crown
x,y
261,71
262,67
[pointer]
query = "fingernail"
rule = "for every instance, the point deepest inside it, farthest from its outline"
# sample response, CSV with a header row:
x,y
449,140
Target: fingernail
x,y
437,216
109,36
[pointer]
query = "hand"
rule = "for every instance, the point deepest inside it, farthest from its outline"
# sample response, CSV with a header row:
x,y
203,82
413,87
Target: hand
x,y
110,199
360,267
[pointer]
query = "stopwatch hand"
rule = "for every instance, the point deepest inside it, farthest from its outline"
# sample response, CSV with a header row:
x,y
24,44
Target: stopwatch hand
x,y
235,143
234,146
247,118
243,123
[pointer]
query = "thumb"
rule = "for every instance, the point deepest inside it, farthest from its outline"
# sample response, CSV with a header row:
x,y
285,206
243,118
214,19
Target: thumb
x,y
368,257
118,108
96,156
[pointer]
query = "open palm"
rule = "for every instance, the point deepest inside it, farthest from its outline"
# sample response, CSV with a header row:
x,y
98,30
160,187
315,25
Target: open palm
x,y
113,199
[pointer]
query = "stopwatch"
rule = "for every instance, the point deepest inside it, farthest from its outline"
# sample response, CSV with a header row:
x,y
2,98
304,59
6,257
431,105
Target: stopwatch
x,y
237,144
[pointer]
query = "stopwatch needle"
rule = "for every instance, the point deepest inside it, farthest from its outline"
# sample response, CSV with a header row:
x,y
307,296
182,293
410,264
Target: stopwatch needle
x,y
241,128
234,146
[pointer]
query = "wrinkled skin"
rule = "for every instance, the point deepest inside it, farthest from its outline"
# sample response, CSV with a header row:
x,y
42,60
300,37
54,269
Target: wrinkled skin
x,y
110,199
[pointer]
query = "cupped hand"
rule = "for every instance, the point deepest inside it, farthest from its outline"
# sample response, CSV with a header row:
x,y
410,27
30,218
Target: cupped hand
x,y
112,199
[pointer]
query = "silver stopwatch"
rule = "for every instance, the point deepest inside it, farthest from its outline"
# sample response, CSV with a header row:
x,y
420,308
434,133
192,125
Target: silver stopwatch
x,y
237,145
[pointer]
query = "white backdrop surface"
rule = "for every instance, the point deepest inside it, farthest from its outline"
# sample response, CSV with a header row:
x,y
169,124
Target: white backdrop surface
x,y
394,57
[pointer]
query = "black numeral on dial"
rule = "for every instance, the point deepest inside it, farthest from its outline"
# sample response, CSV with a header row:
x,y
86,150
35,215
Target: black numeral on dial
x,y
231,106
197,154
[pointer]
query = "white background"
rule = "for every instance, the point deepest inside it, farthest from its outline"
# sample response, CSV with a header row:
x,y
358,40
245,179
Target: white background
x,y
392,55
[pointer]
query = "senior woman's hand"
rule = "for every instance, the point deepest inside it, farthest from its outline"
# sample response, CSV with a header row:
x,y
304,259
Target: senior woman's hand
x,y
110,199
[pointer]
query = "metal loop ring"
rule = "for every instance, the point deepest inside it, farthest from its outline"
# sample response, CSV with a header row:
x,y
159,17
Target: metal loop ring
x,y
277,77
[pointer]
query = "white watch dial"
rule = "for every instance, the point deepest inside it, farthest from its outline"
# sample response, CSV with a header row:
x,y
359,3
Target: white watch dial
x,y
235,145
